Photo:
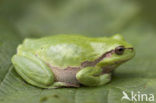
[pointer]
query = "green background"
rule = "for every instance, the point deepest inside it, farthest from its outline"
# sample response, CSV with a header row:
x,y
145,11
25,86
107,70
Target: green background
x,y
134,19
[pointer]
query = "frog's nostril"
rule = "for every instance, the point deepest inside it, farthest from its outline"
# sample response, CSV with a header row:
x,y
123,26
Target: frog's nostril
x,y
132,49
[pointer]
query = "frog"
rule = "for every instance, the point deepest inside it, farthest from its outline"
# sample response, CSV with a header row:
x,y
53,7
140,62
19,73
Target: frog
x,y
69,60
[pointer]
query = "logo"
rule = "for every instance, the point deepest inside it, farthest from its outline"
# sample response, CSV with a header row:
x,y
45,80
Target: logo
x,y
137,96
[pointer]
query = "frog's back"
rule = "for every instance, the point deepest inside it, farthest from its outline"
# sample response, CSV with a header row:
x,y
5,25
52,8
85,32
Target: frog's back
x,y
34,44
61,50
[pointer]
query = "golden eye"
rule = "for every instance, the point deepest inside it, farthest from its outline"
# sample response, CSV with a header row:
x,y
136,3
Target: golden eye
x,y
119,50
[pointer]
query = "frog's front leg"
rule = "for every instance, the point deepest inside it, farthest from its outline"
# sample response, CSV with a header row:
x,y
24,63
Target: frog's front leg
x,y
33,70
92,76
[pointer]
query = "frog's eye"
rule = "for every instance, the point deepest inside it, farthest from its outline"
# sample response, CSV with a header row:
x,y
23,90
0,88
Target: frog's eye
x,y
119,50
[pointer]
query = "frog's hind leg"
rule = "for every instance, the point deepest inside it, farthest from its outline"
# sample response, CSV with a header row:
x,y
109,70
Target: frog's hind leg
x,y
33,70
92,76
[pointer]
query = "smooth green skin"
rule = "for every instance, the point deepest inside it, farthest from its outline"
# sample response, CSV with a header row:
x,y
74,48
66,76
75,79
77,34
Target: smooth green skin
x,y
68,50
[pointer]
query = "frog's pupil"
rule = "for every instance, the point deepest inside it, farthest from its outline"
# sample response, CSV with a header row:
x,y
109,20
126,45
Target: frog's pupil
x,y
121,49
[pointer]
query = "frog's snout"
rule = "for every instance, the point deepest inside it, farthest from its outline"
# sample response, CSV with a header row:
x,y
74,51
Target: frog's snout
x,y
131,52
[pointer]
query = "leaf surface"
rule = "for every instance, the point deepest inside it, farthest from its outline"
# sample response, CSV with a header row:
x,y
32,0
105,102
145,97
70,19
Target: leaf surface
x,y
28,18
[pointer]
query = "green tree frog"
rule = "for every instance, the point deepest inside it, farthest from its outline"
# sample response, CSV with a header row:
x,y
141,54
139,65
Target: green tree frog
x,y
70,60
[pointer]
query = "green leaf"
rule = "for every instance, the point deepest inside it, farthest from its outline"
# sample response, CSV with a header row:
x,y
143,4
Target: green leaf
x,y
26,18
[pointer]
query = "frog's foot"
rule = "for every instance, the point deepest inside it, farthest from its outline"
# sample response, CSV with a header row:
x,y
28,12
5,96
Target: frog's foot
x,y
63,84
92,76
105,78
33,70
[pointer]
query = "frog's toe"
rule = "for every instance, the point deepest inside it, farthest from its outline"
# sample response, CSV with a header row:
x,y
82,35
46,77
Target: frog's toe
x,y
63,84
105,78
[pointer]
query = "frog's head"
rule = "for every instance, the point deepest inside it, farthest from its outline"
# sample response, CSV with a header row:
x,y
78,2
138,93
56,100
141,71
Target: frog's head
x,y
116,52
